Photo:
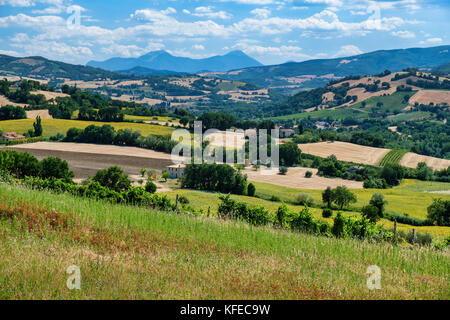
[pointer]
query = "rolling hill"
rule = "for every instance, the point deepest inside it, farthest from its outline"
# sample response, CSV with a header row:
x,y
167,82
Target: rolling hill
x,y
162,60
314,73
44,68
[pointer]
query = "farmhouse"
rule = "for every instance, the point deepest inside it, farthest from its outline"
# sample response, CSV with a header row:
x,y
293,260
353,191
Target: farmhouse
x,y
11,136
286,133
176,171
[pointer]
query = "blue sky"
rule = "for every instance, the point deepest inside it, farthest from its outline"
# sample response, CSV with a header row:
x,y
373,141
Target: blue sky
x,y
271,31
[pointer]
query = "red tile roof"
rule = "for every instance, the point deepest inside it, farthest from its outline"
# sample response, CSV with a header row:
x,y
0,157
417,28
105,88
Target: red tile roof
x,y
12,136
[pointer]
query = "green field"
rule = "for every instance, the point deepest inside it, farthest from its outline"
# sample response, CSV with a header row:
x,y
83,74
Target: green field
x,y
393,157
202,200
54,126
148,118
402,200
132,253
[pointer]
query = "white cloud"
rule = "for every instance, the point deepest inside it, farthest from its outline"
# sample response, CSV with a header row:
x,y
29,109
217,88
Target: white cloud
x,y
324,20
130,51
209,13
254,2
404,34
334,3
161,24
269,52
261,13
348,50
9,53
31,3
431,41
198,47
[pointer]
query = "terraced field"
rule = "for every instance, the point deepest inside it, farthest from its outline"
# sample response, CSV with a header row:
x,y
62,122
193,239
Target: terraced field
x,y
393,157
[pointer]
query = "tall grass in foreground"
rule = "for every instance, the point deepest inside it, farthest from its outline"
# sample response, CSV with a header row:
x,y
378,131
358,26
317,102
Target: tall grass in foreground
x,y
133,253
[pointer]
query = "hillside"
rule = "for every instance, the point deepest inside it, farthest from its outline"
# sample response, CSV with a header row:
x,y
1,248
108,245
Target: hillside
x,y
384,94
116,245
143,72
162,60
314,73
39,67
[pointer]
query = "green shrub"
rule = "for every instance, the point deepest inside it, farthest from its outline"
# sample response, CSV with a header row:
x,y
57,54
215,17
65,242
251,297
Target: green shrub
x,y
327,213
150,187
251,190
305,199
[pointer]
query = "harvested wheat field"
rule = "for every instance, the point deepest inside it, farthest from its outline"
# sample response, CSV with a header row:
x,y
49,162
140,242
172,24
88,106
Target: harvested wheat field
x,y
428,96
86,159
295,178
412,159
33,114
51,95
345,151
4,101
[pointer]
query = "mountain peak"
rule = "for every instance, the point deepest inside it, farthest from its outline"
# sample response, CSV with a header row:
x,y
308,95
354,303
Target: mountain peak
x,y
162,60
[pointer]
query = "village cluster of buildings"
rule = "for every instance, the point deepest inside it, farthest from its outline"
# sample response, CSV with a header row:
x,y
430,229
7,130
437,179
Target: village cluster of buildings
x,y
11,136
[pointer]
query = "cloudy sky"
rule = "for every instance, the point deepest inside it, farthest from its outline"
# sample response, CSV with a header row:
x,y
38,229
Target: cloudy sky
x,y
272,31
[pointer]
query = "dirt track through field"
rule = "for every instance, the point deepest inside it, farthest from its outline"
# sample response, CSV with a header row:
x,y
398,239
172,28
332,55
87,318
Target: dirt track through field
x,y
86,159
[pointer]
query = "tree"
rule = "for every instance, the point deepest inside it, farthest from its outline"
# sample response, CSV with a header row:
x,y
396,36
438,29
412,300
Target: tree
x,y
378,202
393,174
150,187
55,168
283,170
289,153
305,199
165,175
38,127
251,189
371,212
282,213
327,213
343,197
439,212
327,196
184,121
143,171
424,172
12,113
113,178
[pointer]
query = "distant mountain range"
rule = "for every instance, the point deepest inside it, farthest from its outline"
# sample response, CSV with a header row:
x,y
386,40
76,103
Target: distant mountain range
x,y
318,72
307,74
42,67
162,60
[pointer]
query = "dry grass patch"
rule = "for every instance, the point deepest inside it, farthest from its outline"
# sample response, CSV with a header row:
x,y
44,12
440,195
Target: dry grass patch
x,y
33,114
411,160
295,178
428,96
345,151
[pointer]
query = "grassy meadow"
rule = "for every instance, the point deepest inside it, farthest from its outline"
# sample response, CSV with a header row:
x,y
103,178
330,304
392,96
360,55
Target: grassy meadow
x,y
153,118
133,253
411,197
53,126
